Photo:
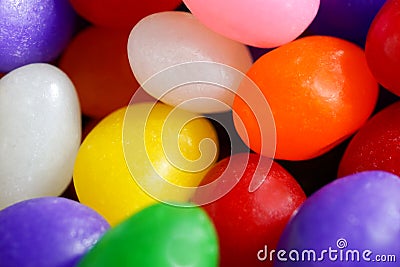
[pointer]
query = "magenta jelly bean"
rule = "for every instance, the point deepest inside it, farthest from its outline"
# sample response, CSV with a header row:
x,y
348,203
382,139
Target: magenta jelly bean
x,y
33,31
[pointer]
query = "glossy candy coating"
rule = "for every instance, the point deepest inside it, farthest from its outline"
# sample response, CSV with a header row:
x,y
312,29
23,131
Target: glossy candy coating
x,y
40,132
33,31
246,221
166,39
257,23
106,182
48,232
376,146
347,19
383,46
97,63
359,212
320,91
120,13
159,236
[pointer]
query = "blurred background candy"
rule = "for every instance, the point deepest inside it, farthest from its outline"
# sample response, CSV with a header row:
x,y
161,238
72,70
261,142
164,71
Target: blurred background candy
x,y
359,212
120,13
376,146
383,46
247,221
40,132
320,91
347,19
166,39
257,23
33,31
156,148
48,232
97,63
159,236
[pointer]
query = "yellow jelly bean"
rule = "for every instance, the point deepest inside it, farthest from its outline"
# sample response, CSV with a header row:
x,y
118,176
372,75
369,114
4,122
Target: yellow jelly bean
x,y
143,154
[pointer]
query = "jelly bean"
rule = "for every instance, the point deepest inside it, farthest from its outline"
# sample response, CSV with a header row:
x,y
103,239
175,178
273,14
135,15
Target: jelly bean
x,y
320,91
134,149
49,231
159,236
166,39
376,146
121,13
246,221
343,220
347,19
257,23
33,31
40,132
97,62
383,46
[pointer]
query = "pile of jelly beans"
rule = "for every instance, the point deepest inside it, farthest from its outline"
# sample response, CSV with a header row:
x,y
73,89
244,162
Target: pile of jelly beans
x,y
199,133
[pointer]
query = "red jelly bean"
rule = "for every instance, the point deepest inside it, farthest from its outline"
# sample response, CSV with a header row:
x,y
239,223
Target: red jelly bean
x,y
246,221
97,63
120,13
376,146
383,46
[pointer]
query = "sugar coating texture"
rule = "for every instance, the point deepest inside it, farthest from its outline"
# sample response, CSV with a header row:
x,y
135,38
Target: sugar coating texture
x,y
40,132
33,31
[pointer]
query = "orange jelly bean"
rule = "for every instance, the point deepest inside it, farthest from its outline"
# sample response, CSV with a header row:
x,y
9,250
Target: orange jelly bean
x,y
97,63
320,91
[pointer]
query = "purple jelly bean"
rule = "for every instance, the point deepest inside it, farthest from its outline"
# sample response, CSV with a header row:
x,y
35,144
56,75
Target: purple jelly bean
x,y
33,31
353,221
347,19
48,231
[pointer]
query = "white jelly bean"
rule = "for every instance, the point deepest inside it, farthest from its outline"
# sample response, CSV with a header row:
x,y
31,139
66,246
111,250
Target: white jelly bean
x,y
40,132
164,40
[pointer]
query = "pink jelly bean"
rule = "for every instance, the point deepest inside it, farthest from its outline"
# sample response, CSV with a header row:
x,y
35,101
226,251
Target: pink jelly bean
x,y
268,23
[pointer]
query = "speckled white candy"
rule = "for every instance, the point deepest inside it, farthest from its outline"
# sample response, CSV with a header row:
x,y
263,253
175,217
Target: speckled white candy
x,y
40,132
165,39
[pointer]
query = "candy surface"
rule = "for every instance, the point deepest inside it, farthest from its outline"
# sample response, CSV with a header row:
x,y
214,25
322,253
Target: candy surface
x,y
159,236
347,19
307,83
246,221
48,232
33,31
166,39
383,46
319,92
355,213
376,146
162,148
256,23
97,63
121,13
40,132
